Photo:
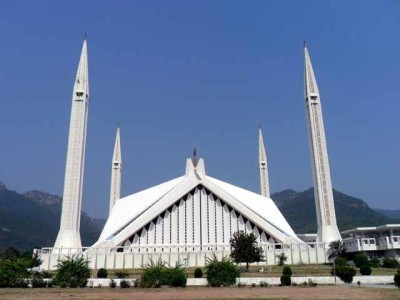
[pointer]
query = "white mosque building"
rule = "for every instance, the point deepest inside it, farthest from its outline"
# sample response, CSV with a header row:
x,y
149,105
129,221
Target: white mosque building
x,y
190,217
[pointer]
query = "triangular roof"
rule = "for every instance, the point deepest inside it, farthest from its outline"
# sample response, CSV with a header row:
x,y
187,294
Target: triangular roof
x,y
133,212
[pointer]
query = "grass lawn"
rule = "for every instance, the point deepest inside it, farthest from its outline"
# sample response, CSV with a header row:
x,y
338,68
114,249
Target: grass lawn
x,y
271,271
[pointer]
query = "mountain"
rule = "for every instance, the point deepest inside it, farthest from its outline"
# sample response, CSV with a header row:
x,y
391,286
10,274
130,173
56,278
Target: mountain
x,y
394,214
32,219
299,209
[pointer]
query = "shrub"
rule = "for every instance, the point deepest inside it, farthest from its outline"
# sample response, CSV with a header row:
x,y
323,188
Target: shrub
x,y
341,261
312,283
102,273
374,262
221,272
198,273
73,272
136,283
361,260
397,279
13,272
287,271
263,284
286,280
113,284
365,270
345,273
46,274
124,284
121,274
38,283
177,278
389,262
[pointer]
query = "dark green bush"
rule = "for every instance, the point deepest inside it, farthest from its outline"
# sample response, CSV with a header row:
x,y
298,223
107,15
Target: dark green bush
x,y
375,263
365,270
73,272
389,262
102,273
113,284
397,279
221,272
124,284
38,283
198,273
177,278
121,274
286,280
156,274
361,260
287,271
345,273
13,272
341,261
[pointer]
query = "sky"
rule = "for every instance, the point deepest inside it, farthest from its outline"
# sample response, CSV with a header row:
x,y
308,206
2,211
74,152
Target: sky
x,y
179,74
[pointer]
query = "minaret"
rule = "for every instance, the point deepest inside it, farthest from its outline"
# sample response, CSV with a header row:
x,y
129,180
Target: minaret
x,y
115,191
69,236
263,165
326,218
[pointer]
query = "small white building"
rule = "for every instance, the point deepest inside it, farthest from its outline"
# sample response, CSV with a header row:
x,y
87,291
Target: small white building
x,y
380,241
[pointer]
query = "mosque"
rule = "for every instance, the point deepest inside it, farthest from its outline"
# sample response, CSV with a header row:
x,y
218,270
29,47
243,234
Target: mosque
x,y
190,217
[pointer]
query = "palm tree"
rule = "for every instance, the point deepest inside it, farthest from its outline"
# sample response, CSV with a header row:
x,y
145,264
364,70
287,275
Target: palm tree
x,y
336,249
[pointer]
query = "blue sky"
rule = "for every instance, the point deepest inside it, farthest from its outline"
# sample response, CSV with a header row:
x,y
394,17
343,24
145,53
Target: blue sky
x,y
181,73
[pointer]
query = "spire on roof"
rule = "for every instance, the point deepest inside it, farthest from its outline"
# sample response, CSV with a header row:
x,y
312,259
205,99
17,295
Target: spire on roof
x,y
263,165
194,158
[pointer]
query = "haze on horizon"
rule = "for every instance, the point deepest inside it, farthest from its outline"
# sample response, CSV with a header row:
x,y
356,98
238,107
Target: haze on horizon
x,y
177,74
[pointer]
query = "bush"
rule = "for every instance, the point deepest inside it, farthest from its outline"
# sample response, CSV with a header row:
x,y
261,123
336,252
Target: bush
x,y
102,273
341,261
312,283
361,260
397,279
221,272
346,273
282,258
264,284
124,284
198,273
287,271
13,272
177,278
374,262
286,280
157,274
365,270
389,262
73,272
121,274
38,283
113,284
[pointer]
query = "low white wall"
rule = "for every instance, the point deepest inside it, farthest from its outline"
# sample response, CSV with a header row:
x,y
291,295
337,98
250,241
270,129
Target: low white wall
x,y
374,279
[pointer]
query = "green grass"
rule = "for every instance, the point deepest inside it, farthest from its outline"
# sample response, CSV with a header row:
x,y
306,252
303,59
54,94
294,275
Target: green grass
x,y
270,271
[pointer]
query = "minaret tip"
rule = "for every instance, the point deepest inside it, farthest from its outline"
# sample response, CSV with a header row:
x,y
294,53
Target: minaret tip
x,y
305,44
85,36
259,125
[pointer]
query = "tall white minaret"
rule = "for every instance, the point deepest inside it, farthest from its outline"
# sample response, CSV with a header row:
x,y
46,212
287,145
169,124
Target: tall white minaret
x,y
263,165
115,191
69,236
325,207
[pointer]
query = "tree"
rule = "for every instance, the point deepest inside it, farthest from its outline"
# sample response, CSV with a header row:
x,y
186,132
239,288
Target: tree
x,y
336,249
245,248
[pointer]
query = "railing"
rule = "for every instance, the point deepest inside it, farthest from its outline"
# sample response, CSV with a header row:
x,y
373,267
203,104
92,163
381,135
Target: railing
x,y
193,255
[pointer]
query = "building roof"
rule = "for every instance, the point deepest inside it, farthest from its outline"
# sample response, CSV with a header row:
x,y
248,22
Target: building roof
x,y
133,212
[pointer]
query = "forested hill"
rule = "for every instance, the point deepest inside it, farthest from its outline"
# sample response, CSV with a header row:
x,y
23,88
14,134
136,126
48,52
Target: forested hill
x,y
299,209
32,219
